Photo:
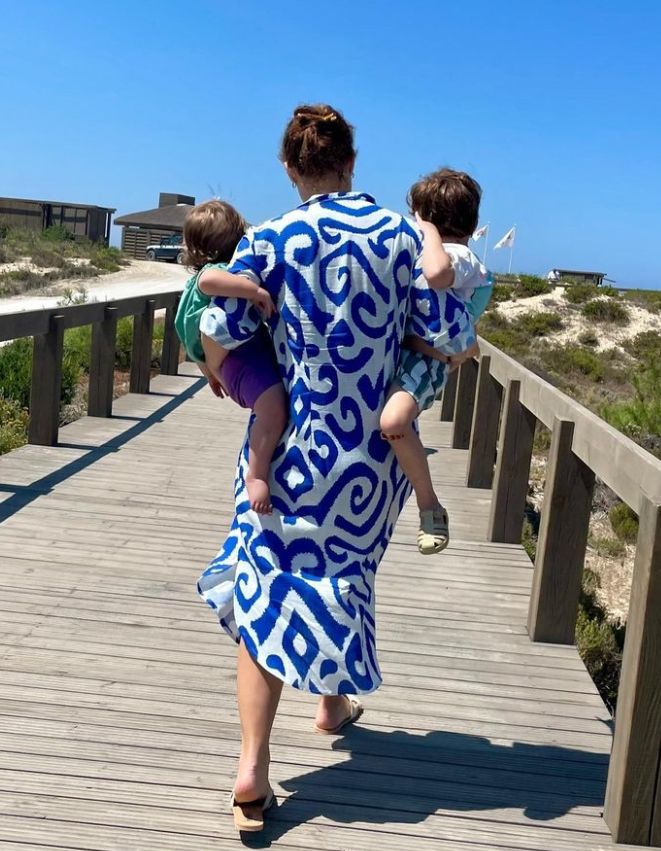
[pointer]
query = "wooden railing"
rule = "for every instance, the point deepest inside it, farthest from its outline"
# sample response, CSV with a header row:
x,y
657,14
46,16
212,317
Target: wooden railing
x,y
495,406
47,327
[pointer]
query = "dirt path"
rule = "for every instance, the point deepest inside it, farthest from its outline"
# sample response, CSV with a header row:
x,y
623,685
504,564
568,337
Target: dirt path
x,y
141,276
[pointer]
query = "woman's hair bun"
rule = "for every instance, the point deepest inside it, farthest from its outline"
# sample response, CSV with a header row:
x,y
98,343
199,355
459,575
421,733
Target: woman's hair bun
x,y
317,141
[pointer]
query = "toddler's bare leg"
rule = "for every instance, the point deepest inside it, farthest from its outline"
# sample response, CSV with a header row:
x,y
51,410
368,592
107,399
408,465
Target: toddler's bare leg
x,y
397,419
214,354
271,415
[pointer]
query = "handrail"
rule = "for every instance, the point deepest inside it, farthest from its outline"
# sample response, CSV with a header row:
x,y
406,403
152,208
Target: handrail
x,y
495,407
31,323
624,466
47,327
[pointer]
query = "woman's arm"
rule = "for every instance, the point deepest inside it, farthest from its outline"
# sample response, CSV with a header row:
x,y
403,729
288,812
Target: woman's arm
x,y
436,262
415,344
219,282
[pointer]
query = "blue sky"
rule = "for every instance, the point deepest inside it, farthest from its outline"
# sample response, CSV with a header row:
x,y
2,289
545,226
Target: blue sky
x,y
552,106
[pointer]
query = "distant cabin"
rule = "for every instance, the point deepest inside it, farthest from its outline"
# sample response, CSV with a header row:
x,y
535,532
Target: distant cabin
x,y
573,276
148,227
80,220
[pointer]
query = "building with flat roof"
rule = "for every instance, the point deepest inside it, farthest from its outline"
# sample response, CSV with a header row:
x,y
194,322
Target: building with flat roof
x,y
81,220
574,276
149,227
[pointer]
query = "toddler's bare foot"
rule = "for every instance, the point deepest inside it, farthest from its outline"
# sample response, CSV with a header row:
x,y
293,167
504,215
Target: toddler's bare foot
x,y
259,495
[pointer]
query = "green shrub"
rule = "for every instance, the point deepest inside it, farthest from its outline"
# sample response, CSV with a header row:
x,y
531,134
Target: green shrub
x,y
624,522
16,373
649,299
640,415
57,233
531,285
48,257
572,360
606,310
540,323
608,547
542,440
107,259
581,293
588,338
529,540
601,652
499,331
13,425
502,292
606,289
645,347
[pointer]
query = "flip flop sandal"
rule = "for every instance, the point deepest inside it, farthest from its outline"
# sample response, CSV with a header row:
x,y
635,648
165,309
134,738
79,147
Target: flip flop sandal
x,y
434,532
251,823
356,709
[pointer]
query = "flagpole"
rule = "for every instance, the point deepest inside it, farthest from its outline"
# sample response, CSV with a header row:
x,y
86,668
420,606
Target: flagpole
x,y
512,249
486,243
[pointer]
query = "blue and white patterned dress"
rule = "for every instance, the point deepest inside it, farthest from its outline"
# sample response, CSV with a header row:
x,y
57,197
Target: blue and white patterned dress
x,y
298,586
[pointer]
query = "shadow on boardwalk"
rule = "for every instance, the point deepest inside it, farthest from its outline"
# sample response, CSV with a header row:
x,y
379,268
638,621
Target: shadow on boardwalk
x,y
399,778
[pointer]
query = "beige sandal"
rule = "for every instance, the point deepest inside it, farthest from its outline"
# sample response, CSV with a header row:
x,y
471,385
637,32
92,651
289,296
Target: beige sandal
x,y
356,709
249,815
434,532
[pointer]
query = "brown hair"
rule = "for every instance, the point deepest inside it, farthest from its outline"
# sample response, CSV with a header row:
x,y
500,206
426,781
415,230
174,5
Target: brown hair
x,y
212,231
448,199
317,141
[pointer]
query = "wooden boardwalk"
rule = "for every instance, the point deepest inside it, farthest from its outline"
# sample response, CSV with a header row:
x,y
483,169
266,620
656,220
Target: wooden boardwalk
x,y
118,725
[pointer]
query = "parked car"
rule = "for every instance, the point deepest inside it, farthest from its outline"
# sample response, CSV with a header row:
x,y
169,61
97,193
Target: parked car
x,y
170,248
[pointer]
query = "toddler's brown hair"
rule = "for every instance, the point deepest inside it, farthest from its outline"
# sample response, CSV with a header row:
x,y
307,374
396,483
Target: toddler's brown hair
x,y
212,231
448,199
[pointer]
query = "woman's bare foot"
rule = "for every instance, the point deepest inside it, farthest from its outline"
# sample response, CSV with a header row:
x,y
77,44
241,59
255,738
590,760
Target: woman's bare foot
x,y
332,711
252,784
259,495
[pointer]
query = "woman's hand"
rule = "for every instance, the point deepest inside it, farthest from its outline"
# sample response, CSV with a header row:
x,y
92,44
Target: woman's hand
x,y
263,302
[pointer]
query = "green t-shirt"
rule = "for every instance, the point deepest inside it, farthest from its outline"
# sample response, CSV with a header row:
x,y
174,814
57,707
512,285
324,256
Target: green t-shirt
x,y
192,304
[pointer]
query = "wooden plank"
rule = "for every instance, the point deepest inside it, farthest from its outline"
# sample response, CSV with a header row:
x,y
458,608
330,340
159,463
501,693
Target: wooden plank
x,y
143,332
484,429
449,397
512,469
46,384
102,365
563,536
463,409
632,794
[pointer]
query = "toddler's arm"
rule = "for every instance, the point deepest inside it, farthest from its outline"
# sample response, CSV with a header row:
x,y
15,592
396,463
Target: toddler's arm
x,y
436,262
415,344
219,282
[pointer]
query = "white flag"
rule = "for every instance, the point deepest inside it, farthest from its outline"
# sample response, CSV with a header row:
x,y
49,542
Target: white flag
x,y
508,240
480,232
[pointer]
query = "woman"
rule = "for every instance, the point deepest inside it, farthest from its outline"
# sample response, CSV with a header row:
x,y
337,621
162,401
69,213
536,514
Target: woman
x,y
296,588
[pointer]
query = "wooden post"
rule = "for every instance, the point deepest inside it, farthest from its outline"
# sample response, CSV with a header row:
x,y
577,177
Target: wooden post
x,y
46,384
143,329
463,409
563,537
517,432
449,396
633,794
102,365
484,430
170,352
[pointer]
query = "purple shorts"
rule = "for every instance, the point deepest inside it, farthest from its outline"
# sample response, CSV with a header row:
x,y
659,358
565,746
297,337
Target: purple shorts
x,y
250,369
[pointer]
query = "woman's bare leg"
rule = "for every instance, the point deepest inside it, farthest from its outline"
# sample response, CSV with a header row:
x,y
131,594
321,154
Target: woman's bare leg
x,y
258,693
271,414
397,420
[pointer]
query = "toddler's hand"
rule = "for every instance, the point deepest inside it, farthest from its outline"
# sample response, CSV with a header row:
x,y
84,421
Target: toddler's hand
x,y
216,386
425,226
263,302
